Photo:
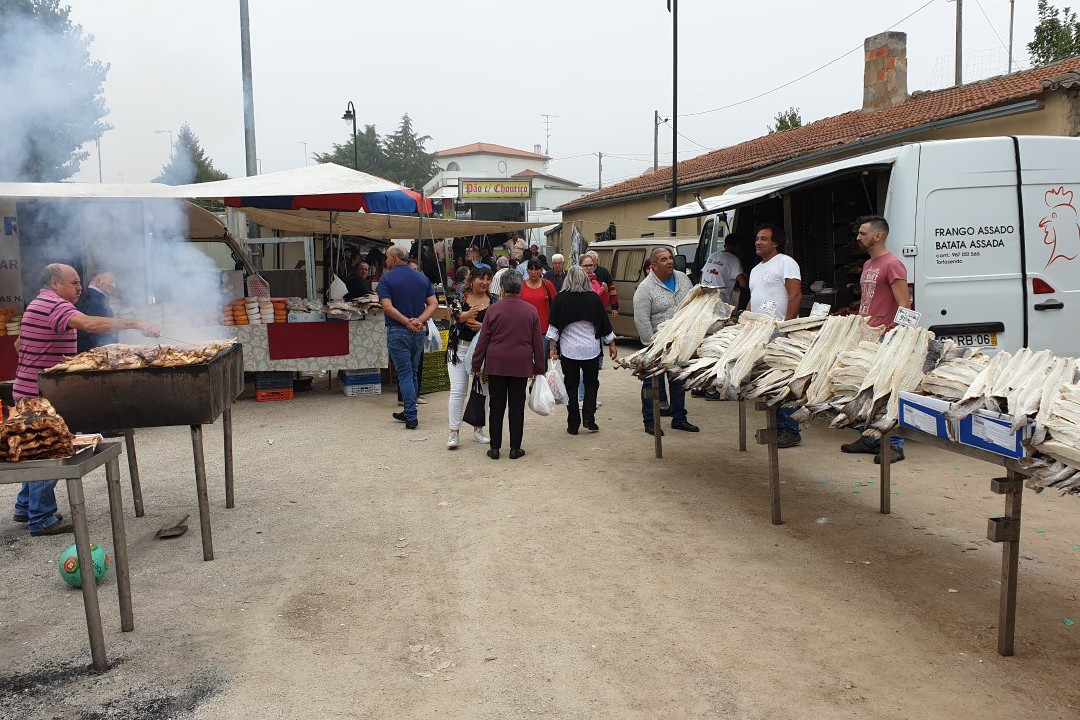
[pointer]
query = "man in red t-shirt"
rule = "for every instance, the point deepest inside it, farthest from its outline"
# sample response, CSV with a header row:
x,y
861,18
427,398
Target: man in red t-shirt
x,y
884,289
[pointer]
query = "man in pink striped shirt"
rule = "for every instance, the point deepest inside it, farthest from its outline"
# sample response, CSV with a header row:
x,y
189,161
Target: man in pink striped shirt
x,y
48,333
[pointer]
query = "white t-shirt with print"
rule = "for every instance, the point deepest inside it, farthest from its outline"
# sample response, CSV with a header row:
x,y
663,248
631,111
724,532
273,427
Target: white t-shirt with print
x,y
768,294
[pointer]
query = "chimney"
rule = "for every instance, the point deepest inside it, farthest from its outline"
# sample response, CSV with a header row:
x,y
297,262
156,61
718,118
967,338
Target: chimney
x,y
885,73
536,149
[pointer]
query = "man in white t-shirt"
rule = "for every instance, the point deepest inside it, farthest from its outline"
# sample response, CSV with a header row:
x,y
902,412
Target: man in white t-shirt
x,y
727,271
776,290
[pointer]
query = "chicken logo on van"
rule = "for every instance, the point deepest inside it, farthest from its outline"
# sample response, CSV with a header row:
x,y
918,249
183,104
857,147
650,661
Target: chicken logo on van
x,y
1061,229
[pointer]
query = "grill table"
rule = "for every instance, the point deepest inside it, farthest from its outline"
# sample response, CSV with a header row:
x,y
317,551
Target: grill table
x,y
107,454
192,395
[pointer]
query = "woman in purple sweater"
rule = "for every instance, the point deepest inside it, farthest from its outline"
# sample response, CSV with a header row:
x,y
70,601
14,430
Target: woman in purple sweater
x,y
510,351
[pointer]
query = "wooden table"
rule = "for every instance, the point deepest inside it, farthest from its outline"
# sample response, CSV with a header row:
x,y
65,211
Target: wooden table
x,y
107,454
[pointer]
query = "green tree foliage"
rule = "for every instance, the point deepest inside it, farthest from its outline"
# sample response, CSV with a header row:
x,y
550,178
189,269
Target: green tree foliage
x,y
51,89
188,162
399,157
1057,35
786,120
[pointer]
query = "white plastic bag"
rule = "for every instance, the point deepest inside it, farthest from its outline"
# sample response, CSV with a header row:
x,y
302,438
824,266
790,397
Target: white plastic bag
x,y
434,339
555,382
469,353
337,289
541,399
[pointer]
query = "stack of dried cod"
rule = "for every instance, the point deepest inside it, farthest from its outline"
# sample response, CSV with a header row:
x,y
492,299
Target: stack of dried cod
x,y
34,431
676,341
134,357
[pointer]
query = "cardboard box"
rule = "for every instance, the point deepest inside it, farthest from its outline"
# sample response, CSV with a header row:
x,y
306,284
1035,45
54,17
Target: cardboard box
x,y
925,414
993,432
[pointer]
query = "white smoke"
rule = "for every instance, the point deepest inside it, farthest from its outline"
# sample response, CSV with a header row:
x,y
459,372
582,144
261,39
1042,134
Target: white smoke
x,y
50,107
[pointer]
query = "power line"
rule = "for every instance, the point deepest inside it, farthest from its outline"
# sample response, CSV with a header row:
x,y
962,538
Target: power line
x,y
992,28
703,147
806,75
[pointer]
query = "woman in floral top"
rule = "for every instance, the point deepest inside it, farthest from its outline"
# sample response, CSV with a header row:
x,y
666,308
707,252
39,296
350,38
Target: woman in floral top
x,y
466,319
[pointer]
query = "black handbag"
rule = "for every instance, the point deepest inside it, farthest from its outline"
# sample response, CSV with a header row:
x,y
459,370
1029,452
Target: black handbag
x,y
474,413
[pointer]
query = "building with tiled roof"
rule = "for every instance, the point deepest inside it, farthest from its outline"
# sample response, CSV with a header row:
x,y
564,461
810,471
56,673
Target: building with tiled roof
x,y
477,148
1041,101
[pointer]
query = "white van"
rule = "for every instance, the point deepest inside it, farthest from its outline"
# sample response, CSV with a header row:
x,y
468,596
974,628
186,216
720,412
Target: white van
x,y
987,227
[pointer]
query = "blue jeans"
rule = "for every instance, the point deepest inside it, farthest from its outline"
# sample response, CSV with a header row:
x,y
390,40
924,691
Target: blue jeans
x,y
676,397
38,502
784,423
406,349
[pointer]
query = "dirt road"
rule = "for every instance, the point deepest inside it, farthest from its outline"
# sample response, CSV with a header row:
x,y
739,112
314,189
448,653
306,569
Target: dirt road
x,y
367,572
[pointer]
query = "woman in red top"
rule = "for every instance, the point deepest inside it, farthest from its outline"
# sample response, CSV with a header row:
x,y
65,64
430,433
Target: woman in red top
x,y
539,292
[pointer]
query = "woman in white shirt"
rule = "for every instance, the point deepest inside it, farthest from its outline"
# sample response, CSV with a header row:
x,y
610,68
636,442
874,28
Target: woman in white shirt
x,y
579,325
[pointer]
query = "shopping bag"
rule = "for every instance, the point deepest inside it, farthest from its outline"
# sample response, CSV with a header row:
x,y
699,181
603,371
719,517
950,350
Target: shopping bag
x,y
434,339
541,399
555,381
337,289
475,414
469,353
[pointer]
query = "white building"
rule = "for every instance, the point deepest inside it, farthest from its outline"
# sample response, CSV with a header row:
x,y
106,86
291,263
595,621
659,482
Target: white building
x,y
487,161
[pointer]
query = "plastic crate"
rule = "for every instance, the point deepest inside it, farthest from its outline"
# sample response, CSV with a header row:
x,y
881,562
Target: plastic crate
x,y
363,390
273,380
273,395
375,379
434,378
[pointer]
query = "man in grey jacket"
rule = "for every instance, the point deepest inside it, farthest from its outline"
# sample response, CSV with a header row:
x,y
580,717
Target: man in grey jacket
x,y
655,301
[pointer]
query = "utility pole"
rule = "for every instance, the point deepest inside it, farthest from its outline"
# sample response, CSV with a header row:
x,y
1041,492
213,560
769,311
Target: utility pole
x,y
673,7
655,140
98,141
304,143
547,131
1012,10
249,101
959,42
599,170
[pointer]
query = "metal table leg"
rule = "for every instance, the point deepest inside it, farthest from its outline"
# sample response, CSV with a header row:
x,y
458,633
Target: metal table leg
x,y
885,480
654,395
200,489
226,424
86,565
1006,530
120,549
133,471
769,436
742,426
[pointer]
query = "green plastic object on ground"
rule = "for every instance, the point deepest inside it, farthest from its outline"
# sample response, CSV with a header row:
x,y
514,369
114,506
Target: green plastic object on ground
x,y
69,565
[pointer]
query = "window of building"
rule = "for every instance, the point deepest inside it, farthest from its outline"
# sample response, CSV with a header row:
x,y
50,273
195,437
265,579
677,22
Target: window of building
x,y
453,167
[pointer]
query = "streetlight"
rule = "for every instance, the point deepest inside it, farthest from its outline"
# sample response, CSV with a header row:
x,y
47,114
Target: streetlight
x,y
350,117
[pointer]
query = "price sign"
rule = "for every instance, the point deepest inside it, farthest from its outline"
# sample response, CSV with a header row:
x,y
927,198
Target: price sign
x,y
820,310
768,307
910,318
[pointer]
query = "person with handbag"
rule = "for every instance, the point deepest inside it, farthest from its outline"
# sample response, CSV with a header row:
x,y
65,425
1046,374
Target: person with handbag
x,y
579,324
466,318
510,350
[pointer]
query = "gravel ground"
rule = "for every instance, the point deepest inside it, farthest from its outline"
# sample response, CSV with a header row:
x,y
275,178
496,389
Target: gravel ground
x,y
367,572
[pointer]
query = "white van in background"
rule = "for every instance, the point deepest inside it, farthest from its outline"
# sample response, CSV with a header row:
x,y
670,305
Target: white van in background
x,y
988,228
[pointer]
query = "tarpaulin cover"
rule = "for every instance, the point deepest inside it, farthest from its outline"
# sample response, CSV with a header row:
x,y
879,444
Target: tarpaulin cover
x,y
288,341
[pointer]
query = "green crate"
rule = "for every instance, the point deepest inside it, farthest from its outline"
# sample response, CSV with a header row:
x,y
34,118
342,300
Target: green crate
x,y
434,378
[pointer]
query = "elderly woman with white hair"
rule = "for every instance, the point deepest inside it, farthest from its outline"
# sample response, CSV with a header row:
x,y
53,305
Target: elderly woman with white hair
x,y
579,324
502,266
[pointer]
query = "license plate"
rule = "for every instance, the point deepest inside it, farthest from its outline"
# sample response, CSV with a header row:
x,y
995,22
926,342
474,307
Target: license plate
x,y
973,339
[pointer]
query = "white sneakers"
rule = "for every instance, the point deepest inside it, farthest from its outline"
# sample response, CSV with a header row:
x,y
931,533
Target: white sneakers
x,y
453,441
480,437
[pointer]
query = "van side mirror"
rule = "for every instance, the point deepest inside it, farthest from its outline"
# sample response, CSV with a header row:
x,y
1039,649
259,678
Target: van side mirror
x,y
680,263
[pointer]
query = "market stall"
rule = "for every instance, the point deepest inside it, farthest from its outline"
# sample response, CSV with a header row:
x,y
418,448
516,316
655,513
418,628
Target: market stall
x,y
313,347
1013,410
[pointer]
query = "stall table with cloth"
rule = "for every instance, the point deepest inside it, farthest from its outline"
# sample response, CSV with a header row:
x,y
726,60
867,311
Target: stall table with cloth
x,y
73,470
313,347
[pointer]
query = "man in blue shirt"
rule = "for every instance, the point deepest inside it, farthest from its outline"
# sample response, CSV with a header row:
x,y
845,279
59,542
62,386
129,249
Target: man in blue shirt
x,y
407,300
95,303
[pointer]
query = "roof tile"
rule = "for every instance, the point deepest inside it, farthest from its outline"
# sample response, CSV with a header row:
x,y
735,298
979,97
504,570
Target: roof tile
x,y
850,127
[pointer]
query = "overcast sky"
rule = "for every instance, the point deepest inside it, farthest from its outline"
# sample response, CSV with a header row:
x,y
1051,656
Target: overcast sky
x,y
485,70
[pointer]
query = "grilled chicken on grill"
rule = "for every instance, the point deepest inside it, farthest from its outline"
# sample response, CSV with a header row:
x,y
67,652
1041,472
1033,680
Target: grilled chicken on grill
x,y
134,357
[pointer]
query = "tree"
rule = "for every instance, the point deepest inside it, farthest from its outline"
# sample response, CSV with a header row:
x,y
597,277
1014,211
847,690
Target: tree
x,y
407,161
51,89
188,162
786,120
369,156
1057,35
399,157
